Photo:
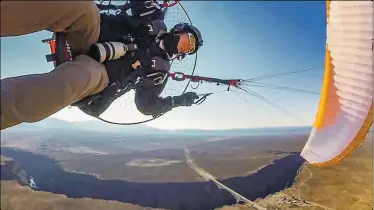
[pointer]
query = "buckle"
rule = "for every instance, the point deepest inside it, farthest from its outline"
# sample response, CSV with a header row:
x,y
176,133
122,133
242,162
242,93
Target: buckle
x,y
158,80
149,4
158,77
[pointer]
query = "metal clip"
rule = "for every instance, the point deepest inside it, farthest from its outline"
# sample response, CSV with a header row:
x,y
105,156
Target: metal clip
x,y
159,80
159,77
149,4
178,76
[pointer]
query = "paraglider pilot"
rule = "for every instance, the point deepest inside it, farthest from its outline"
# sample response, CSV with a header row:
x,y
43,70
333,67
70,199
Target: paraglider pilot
x,y
100,59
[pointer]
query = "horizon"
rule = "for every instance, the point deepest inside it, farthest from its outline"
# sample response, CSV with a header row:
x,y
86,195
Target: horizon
x,y
279,37
54,123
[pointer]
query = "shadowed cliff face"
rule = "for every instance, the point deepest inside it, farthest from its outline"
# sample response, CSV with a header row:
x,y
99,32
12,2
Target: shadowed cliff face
x,y
188,195
10,170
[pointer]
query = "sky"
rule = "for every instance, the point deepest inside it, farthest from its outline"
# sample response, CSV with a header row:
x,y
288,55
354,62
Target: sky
x,y
242,39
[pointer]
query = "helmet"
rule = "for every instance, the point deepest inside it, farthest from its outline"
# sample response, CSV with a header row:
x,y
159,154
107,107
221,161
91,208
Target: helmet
x,y
188,28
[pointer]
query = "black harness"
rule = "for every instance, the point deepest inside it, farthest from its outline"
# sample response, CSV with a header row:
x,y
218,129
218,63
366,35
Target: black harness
x,y
143,45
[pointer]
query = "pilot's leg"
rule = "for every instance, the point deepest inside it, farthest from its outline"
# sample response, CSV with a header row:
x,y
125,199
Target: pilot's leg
x,y
79,19
31,98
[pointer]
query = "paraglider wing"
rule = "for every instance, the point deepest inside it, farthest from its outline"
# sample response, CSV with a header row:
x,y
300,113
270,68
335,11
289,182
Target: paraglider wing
x,y
345,112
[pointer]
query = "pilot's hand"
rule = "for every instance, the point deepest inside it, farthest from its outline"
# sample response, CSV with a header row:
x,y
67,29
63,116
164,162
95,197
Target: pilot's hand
x,y
186,99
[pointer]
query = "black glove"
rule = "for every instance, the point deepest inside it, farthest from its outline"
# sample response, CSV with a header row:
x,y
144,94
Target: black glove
x,y
186,99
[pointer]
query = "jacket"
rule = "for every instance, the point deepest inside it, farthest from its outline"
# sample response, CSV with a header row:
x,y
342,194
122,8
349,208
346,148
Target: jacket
x,y
118,28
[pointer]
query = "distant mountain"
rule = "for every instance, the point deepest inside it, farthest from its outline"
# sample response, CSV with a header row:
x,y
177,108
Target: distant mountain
x,y
52,124
56,125
248,131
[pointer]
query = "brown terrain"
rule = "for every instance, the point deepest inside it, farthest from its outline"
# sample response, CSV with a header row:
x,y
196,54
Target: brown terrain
x,y
75,174
217,158
111,158
84,166
346,186
232,158
17,197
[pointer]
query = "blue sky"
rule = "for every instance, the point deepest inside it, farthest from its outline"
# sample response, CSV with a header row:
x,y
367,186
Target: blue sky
x,y
242,39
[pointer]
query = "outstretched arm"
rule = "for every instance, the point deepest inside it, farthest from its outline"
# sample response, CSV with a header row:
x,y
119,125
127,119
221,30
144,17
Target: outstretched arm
x,y
149,102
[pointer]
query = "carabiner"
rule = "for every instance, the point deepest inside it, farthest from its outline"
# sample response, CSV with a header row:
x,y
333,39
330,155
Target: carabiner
x,y
177,76
150,4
